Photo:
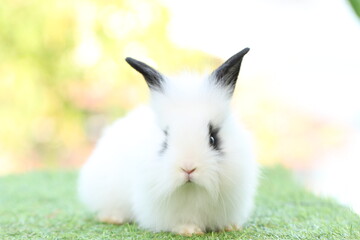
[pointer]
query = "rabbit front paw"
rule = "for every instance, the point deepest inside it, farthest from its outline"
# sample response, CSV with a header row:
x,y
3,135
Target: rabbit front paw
x,y
232,227
187,230
112,219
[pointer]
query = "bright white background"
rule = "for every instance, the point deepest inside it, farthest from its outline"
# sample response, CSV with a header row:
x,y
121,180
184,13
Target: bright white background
x,y
307,54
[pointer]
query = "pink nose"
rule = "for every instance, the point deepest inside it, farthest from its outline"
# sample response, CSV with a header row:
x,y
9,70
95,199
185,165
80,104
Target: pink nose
x,y
188,171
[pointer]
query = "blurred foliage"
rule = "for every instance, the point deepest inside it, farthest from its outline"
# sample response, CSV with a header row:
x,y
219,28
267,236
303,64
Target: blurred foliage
x,y
63,75
285,134
356,6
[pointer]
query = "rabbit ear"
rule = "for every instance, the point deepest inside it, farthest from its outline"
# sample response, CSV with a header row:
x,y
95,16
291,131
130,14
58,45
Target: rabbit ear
x,y
153,78
227,74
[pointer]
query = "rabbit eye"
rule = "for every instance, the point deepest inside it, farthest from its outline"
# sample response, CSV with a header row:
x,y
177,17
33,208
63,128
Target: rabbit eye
x,y
212,141
213,137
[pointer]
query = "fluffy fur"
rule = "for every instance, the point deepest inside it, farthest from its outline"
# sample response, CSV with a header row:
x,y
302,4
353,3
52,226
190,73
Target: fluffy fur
x,y
135,173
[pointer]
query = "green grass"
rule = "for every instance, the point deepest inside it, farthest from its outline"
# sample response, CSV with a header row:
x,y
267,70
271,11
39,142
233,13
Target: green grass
x,y
43,205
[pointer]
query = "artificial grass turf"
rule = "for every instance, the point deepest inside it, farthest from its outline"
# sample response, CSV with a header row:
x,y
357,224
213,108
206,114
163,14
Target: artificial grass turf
x,y
43,205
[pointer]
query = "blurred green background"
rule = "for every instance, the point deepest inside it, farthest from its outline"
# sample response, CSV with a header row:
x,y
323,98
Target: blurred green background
x,y
356,6
63,74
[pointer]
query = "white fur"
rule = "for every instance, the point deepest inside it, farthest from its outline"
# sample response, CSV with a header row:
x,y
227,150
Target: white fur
x,y
128,179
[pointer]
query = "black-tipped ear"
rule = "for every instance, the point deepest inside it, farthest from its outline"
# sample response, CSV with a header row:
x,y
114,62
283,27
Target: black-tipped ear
x,y
227,74
153,78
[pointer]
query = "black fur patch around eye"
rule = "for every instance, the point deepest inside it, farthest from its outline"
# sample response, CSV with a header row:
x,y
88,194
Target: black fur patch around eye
x,y
214,140
164,147
164,144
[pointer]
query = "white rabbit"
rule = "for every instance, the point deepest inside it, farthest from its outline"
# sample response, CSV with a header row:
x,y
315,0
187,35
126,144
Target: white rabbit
x,y
183,165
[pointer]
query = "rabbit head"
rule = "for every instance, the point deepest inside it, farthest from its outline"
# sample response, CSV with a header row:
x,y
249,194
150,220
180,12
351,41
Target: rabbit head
x,y
192,117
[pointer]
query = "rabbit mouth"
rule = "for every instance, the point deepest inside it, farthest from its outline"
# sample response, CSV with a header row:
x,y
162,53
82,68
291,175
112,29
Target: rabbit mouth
x,y
189,185
189,179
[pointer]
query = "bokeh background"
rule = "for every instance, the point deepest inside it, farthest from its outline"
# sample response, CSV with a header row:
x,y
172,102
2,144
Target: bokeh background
x,y
63,77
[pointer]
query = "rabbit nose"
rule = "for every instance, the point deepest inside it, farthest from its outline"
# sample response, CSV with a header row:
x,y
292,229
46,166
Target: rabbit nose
x,y
188,171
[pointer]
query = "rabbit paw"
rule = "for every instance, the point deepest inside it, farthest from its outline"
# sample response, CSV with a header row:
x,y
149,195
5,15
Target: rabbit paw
x,y
187,230
232,227
112,219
